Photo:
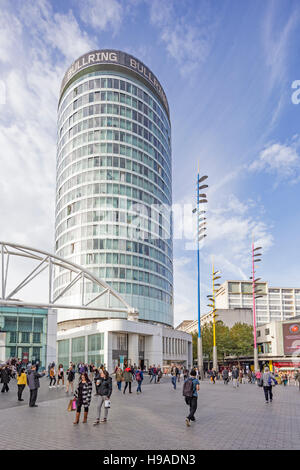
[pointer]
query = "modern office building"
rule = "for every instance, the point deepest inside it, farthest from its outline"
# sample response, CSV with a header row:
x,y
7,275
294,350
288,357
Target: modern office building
x,y
113,210
276,303
114,181
28,333
229,316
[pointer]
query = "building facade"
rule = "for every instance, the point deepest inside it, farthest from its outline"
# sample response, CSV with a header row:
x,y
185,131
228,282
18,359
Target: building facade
x,y
114,182
229,317
113,213
28,333
276,303
121,342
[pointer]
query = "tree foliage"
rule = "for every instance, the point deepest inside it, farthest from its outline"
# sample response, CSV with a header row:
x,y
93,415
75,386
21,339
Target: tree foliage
x,y
236,341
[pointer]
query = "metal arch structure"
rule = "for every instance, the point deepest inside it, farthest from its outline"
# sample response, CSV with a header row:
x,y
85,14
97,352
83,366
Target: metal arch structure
x,y
47,262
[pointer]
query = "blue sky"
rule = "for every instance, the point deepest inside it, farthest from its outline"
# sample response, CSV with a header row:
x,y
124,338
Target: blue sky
x,y
227,68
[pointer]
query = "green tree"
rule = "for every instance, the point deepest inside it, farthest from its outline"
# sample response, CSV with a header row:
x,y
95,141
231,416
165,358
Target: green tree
x,y
235,341
242,339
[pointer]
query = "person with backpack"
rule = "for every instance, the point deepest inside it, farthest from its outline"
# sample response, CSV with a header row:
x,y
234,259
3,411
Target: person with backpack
x,y
103,393
139,377
190,391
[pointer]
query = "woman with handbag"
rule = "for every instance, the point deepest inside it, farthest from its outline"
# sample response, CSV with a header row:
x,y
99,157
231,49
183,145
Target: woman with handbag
x,y
83,395
103,394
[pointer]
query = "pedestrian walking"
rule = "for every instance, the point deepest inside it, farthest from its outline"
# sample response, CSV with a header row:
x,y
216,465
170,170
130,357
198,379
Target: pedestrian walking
x,y
225,376
191,387
70,378
52,377
159,374
5,378
139,377
235,376
33,382
177,374
60,375
127,379
119,378
173,376
103,394
83,395
21,382
266,382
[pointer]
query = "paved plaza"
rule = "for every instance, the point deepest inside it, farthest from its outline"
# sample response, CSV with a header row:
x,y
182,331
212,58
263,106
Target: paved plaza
x,y
226,419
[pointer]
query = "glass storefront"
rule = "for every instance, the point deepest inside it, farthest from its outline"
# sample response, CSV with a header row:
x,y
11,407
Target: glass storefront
x,y
26,330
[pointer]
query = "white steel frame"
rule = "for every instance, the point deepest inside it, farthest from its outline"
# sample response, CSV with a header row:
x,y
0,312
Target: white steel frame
x,y
47,261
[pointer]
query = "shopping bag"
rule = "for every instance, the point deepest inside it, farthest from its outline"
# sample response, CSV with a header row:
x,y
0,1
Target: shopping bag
x,y
107,403
70,405
74,405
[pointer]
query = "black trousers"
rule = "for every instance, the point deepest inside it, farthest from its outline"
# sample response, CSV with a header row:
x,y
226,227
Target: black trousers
x,y
33,396
5,388
127,383
20,391
268,392
192,402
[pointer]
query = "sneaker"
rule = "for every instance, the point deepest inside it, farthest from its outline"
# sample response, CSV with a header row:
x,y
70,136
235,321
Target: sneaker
x,y
104,420
96,422
267,401
187,422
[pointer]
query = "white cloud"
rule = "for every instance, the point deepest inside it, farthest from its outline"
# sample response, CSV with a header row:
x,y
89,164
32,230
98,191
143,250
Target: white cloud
x,y
102,14
189,45
279,159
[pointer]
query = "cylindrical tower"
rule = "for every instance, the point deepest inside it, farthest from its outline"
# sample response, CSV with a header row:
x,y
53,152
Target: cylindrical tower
x,y
114,182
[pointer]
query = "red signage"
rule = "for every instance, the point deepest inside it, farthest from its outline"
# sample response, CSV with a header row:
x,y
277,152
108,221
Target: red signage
x,y
286,364
25,357
291,338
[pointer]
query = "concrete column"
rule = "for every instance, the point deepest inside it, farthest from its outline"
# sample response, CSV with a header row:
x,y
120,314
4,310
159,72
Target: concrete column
x,y
153,349
256,365
51,351
200,358
86,349
108,351
215,358
133,348
2,347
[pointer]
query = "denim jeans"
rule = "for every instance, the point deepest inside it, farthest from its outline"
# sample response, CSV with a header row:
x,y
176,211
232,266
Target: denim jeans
x,y
139,382
174,381
119,385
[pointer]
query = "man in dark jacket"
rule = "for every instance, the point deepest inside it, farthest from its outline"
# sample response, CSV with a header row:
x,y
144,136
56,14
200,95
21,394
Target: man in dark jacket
x,y
225,376
5,378
33,382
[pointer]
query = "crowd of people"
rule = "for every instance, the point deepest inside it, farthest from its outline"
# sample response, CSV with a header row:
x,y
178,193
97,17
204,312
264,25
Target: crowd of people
x,y
88,374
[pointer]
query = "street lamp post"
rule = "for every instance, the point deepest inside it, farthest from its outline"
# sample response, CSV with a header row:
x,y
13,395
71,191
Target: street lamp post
x,y
201,228
212,299
255,291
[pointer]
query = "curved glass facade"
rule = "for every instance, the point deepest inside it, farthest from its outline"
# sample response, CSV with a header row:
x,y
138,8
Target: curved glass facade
x,y
114,188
